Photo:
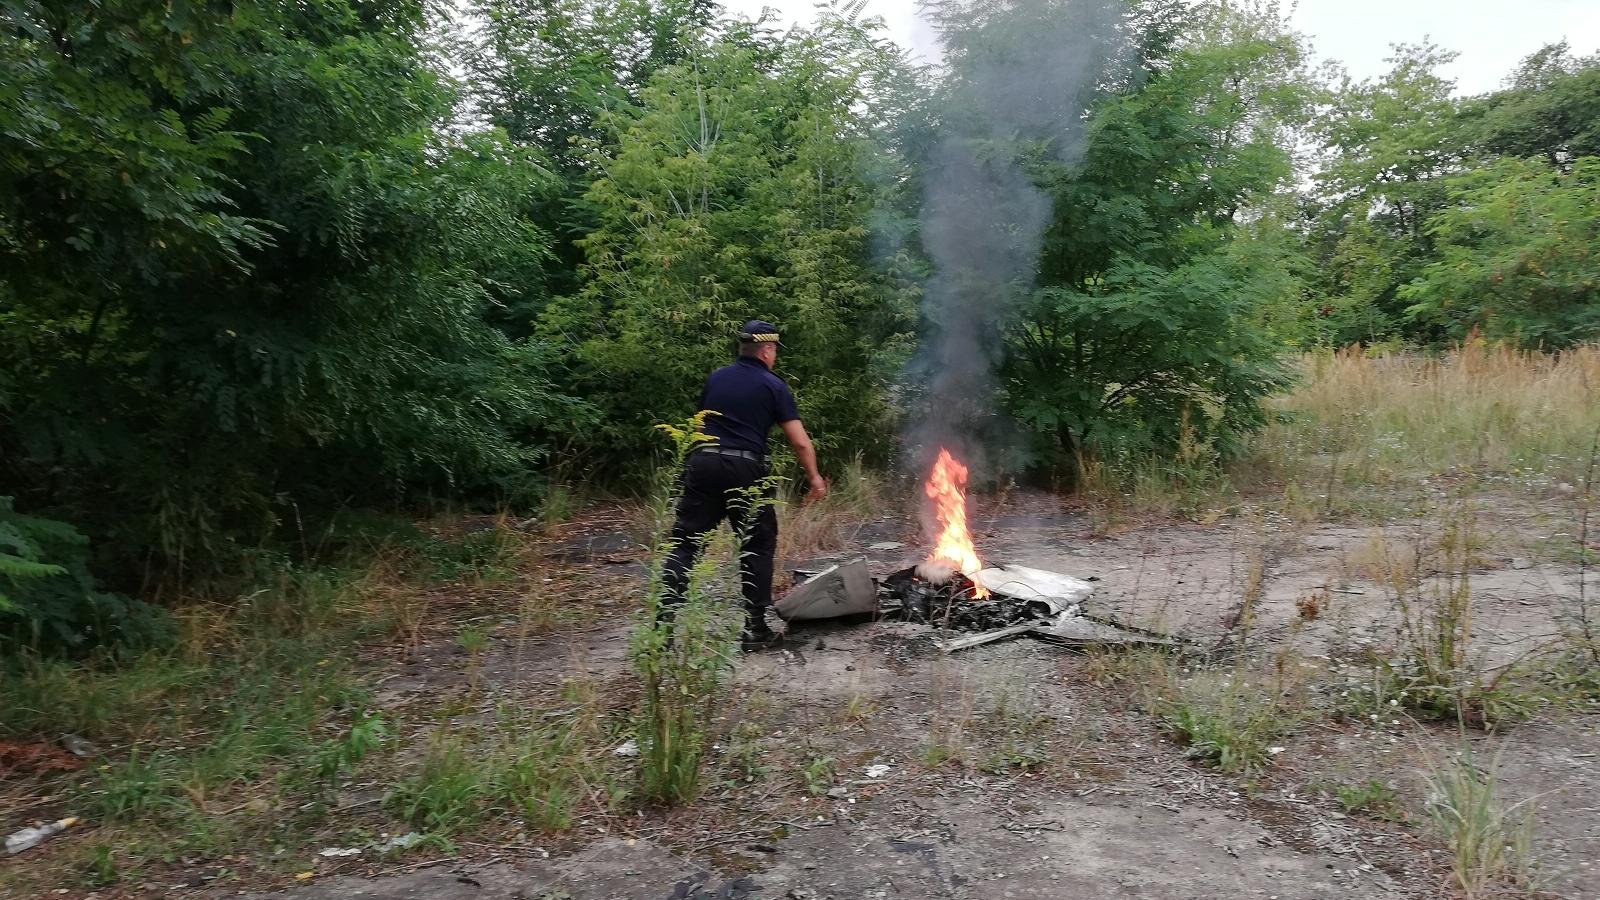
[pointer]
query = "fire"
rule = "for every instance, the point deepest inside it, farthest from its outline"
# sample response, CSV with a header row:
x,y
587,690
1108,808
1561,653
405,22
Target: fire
x,y
947,488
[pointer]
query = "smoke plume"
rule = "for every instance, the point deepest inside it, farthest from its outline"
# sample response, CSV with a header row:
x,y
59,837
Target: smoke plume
x,y
1021,74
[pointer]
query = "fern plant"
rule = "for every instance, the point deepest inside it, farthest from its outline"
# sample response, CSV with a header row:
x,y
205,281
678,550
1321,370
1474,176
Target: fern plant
x,y
48,599
22,558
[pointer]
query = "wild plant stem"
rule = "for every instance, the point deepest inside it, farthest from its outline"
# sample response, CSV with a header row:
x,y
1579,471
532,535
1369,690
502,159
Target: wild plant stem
x,y
1585,622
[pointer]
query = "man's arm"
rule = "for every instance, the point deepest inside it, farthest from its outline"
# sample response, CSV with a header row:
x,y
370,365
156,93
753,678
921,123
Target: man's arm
x,y
800,442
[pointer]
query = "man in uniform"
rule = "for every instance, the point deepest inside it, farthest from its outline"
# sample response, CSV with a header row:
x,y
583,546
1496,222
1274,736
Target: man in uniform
x,y
744,400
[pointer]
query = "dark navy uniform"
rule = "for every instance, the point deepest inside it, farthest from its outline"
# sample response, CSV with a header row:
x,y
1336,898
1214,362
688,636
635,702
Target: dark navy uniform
x,y
743,401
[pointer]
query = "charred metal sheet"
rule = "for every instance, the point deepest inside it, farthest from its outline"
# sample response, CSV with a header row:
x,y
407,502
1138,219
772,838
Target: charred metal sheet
x,y
842,590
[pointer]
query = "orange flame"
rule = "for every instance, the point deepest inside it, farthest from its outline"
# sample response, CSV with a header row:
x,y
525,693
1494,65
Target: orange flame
x,y
947,488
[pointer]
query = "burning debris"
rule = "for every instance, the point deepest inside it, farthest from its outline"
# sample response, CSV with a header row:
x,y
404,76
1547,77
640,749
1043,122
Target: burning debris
x,y
953,591
953,551
1016,601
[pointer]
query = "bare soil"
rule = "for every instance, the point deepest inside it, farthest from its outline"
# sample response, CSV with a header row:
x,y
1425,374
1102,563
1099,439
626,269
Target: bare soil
x,y
1115,808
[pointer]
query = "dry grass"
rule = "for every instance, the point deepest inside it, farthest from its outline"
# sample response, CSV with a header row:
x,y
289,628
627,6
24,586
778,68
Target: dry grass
x,y
1379,422
807,530
1383,560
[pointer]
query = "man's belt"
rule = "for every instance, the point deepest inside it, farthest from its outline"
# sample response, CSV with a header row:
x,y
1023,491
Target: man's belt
x,y
729,451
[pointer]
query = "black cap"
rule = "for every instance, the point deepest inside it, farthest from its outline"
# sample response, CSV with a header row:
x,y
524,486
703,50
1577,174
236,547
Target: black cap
x,y
756,331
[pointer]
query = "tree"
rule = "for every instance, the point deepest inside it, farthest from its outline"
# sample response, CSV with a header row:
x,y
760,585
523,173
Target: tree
x,y
244,273
1550,108
736,190
1386,145
1516,258
1147,319
547,72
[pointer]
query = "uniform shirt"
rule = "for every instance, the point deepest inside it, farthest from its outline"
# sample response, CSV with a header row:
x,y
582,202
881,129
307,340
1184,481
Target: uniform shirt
x,y
746,399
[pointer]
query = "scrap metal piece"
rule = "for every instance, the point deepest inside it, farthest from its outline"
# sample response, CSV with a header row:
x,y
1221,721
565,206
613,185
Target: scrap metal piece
x,y
1025,583
986,637
1075,630
845,589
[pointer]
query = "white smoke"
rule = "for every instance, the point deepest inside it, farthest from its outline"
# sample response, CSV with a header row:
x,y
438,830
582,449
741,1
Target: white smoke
x,y
1022,74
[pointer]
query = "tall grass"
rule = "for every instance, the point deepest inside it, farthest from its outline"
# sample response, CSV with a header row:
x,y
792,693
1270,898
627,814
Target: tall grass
x,y
1491,843
1478,410
682,656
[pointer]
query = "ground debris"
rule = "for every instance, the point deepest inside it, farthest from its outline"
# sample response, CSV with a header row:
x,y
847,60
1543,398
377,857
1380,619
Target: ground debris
x,y
35,759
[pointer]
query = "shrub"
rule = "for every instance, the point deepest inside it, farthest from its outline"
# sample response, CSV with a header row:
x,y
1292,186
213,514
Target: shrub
x,y
48,599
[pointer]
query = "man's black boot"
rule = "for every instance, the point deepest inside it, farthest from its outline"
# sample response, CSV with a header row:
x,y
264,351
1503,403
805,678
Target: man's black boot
x,y
757,636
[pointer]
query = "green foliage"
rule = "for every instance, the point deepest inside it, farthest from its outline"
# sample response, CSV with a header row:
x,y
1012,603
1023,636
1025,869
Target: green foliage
x,y
1386,143
682,660
138,788
818,775
1435,216
341,755
1372,797
524,767
444,795
49,600
1228,723
1515,256
246,274
1550,109
736,189
1149,309
548,72
1491,843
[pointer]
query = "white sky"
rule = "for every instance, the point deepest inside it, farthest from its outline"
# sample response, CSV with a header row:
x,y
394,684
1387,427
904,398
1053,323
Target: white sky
x,y
1491,35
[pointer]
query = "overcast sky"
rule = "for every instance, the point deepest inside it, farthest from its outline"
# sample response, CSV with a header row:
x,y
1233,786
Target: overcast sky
x,y
1490,35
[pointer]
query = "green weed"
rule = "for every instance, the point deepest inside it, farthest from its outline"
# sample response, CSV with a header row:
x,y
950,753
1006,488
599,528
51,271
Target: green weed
x,y
1372,797
1016,732
99,865
483,555
1228,721
1434,674
938,753
1490,843
136,788
543,772
818,775
682,657
340,756
857,709
445,795
745,753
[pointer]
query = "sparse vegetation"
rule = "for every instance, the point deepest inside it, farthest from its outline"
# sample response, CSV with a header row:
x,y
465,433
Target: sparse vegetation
x,y
1490,841
1433,670
817,775
1227,720
326,327
1373,435
1371,797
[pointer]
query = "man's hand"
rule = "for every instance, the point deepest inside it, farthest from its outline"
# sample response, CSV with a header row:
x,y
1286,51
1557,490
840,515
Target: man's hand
x,y
800,442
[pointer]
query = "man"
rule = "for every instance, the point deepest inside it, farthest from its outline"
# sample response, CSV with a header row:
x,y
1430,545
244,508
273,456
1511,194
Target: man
x,y
743,401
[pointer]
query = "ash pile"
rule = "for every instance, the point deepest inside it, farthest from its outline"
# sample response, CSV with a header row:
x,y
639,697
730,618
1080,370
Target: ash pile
x,y
992,604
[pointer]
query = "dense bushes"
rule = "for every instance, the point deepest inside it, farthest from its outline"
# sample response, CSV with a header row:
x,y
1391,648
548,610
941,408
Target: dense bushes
x,y
246,269
263,262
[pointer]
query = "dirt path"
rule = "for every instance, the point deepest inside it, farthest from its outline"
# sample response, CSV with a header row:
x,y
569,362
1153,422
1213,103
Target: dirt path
x,y
1112,809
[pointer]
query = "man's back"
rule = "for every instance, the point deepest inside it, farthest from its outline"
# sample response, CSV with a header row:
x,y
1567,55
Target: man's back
x,y
746,400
